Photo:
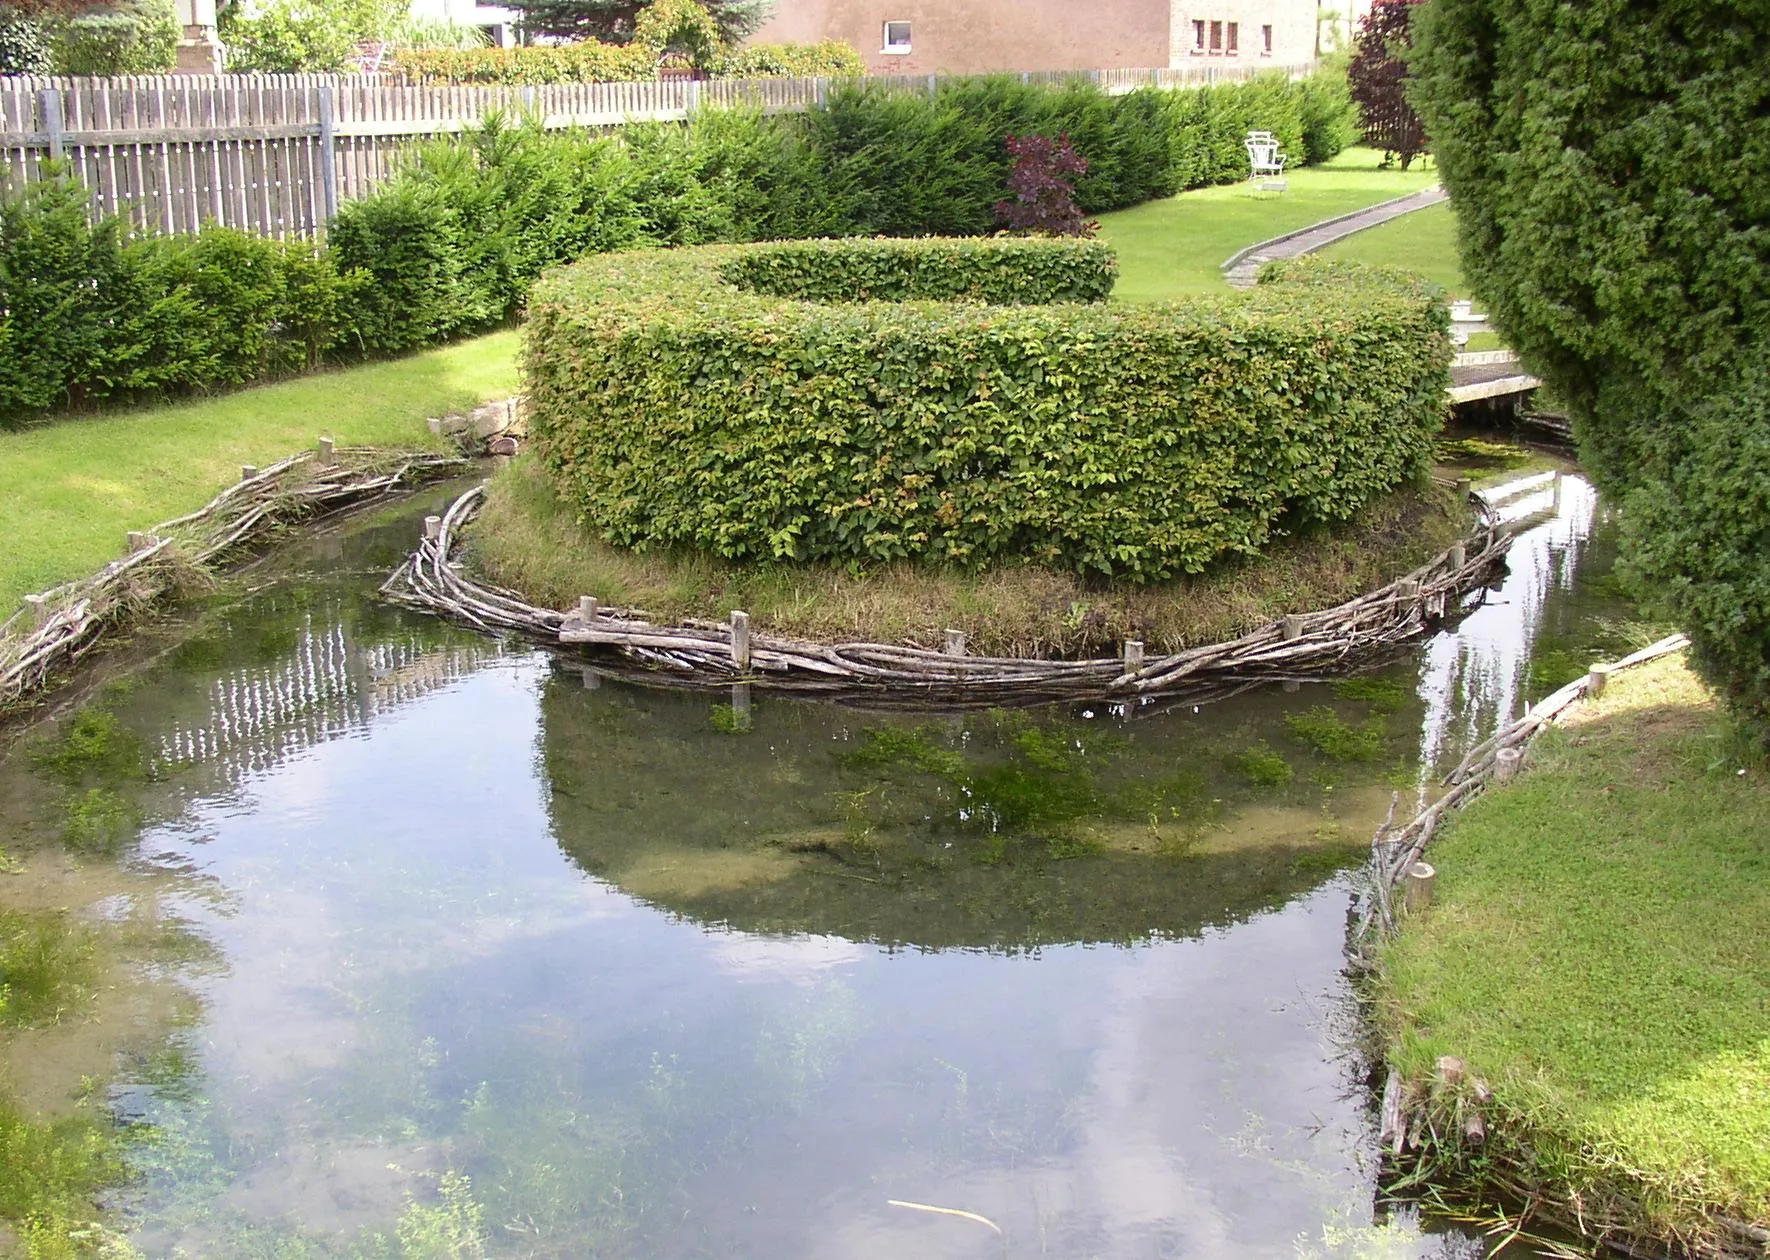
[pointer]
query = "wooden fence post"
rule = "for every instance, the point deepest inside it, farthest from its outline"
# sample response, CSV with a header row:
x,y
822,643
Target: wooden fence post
x,y
1416,886
1133,655
955,643
740,639
586,608
328,154
54,122
1595,680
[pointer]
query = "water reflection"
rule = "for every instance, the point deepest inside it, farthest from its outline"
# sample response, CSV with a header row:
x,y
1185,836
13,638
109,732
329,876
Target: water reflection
x,y
557,972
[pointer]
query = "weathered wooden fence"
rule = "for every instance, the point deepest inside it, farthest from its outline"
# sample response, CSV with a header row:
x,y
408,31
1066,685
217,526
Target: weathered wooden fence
x,y
276,154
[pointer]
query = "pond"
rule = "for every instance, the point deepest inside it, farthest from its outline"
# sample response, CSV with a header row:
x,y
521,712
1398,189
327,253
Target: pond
x,y
414,943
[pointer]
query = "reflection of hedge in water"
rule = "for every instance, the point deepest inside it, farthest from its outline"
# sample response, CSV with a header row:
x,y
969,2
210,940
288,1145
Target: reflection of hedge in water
x,y
821,820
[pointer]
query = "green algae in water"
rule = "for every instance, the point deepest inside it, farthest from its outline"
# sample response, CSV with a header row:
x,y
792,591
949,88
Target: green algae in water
x,y
1335,738
93,745
1261,765
48,965
1385,695
98,820
730,720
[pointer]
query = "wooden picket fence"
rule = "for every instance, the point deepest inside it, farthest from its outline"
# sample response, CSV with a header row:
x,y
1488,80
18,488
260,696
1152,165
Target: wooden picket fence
x,y
276,154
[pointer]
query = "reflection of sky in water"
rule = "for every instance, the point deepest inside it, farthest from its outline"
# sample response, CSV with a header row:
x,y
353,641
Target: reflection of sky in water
x,y
406,935
420,979
1472,677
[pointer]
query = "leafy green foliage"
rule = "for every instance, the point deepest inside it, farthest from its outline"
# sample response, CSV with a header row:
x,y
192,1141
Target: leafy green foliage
x,y
590,61
830,58
453,243
673,407
1616,235
24,44
86,315
134,37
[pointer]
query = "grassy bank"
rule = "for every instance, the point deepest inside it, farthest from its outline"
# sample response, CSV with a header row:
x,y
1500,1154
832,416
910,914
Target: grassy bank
x,y
1170,248
1599,954
528,540
70,490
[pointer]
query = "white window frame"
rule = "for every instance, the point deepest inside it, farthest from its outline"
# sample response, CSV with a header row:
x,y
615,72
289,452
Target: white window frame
x,y
1198,38
1232,39
1266,39
887,47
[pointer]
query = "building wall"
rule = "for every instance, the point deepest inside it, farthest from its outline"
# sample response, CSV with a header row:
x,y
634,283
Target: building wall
x,y
1292,23
977,36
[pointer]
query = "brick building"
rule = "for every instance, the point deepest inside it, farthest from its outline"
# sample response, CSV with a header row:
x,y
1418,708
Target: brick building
x,y
978,36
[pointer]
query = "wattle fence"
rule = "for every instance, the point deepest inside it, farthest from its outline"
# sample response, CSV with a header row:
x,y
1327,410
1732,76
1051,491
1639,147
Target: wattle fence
x,y
276,154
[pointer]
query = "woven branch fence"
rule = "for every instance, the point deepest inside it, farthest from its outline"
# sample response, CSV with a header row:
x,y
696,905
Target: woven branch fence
x,y
57,627
703,653
1396,851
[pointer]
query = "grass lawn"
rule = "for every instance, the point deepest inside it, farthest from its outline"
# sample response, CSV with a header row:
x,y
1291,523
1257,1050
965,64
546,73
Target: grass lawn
x,y
1424,241
1171,248
1599,953
528,540
70,490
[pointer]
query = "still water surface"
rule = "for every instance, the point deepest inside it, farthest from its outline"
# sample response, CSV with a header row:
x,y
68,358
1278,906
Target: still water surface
x,y
441,940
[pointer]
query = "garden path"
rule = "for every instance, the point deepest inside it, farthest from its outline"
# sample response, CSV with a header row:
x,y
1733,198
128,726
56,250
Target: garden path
x,y
1241,269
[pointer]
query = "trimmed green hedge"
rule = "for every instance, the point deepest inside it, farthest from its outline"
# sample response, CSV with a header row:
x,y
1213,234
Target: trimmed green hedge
x,y
674,408
453,242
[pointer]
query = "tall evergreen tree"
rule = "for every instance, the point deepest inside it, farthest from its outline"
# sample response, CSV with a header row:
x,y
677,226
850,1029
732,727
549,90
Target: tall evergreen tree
x,y
1609,162
613,21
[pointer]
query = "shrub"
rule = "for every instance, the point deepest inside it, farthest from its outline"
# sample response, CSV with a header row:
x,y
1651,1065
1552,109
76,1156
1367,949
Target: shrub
x,y
63,282
830,58
288,37
674,408
1330,119
1044,199
1616,234
24,44
587,62
401,242
87,315
137,37
1379,80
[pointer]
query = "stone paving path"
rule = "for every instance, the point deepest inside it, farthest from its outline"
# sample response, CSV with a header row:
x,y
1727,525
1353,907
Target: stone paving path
x,y
1241,269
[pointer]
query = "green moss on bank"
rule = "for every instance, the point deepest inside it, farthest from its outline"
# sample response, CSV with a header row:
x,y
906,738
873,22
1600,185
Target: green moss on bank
x,y
1599,953
528,540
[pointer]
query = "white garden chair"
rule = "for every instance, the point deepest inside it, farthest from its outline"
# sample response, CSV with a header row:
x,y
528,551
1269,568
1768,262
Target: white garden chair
x,y
1263,154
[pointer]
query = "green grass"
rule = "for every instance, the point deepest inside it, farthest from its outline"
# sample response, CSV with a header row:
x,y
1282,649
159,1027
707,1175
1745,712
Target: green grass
x,y
1171,248
70,490
1599,953
1424,242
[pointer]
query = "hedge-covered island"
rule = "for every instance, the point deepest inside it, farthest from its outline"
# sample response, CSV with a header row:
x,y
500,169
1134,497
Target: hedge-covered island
x,y
971,407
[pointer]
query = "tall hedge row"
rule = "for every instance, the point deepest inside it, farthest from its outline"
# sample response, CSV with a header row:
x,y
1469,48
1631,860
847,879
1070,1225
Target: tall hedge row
x,y
673,407
1610,164
454,242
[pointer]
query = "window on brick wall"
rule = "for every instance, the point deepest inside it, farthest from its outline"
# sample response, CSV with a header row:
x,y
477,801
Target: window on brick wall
x,y
1198,37
1216,37
1265,41
1234,38
897,37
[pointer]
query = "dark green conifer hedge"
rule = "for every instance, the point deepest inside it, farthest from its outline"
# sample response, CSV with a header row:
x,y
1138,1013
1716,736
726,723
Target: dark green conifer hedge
x,y
1610,165
675,408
